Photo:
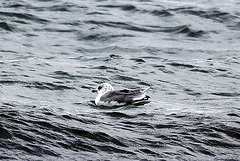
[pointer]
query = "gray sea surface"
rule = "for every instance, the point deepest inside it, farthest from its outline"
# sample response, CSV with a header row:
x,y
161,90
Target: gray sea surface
x,y
53,52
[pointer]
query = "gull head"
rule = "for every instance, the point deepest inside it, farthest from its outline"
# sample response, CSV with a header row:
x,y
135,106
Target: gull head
x,y
103,88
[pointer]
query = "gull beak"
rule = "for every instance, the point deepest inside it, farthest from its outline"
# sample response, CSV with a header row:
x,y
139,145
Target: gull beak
x,y
94,90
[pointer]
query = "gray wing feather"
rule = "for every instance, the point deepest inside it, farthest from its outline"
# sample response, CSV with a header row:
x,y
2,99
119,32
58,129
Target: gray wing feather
x,y
122,96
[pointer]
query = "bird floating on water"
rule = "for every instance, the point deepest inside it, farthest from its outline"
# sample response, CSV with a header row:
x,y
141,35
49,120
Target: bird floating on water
x,y
109,97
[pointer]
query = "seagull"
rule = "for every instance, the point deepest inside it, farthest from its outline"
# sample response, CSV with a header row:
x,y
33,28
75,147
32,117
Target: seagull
x,y
109,97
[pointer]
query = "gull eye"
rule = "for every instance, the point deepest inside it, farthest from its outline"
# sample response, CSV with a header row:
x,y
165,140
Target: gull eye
x,y
99,87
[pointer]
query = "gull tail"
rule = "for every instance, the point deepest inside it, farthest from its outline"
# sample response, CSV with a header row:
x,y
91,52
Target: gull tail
x,y
143,90
142,98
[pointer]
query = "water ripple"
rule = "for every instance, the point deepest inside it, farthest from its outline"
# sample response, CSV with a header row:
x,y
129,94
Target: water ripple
x,y
24,16
5,26
52,53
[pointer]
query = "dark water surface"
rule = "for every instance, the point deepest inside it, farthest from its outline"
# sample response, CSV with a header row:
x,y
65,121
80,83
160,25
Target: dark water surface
x,y
53,52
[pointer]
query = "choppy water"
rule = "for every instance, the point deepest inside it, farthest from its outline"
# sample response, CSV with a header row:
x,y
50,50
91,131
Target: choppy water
x,y
53,52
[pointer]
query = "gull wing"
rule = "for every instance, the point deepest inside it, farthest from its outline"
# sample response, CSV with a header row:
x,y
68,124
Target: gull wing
x,y
125,96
